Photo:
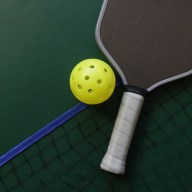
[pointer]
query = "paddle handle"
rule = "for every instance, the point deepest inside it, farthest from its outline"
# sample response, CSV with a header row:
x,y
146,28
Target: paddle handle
x,y
115,158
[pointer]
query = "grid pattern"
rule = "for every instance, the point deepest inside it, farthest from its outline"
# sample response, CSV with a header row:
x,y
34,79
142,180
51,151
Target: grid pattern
x,y
160,157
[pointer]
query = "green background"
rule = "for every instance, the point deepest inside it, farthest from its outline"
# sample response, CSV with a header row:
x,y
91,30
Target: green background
x,y
40,43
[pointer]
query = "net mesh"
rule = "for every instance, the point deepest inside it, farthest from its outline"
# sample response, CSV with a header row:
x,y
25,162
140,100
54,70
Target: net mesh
x,y
68,159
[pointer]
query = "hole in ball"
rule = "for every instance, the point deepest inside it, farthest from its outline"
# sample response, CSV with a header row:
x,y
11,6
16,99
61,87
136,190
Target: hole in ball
x,y
99,81
105,70
79,86
90,90
79,69
86,77
92,66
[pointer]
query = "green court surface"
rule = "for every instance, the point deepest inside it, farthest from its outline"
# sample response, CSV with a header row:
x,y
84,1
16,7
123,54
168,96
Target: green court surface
x,y
40,43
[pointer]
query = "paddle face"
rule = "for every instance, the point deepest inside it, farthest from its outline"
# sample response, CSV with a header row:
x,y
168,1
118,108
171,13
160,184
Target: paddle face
x,y
151,40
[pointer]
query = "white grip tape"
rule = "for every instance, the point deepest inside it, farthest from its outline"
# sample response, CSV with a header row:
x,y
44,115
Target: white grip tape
x,y
115,157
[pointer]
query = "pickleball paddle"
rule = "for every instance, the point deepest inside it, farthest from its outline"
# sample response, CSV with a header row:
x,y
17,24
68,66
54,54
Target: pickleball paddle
x,y
149,43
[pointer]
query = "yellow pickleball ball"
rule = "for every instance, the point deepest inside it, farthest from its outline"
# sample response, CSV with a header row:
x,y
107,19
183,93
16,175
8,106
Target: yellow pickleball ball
x,y
92,81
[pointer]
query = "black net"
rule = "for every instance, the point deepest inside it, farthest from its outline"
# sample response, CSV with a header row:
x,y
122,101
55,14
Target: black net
x,y
68,159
